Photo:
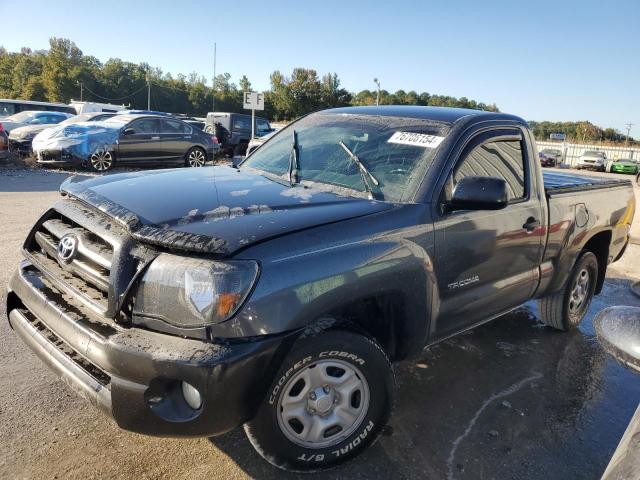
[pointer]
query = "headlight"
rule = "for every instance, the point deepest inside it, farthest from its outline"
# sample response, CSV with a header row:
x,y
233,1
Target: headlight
x,y
190,292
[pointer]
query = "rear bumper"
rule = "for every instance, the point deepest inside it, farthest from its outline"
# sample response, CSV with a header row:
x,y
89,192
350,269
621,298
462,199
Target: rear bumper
x,y
135,375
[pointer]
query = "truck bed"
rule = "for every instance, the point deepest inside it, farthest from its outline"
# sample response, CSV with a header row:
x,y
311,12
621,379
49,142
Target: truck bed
x,y
556,182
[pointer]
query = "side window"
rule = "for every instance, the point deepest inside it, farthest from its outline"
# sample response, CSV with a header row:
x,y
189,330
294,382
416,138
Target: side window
x,y
146,125
262,127
241,123
7,109
173,126
501,159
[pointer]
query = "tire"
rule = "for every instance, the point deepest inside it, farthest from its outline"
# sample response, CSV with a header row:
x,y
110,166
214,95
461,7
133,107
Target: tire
x,y
195,157
101,160
308,392
565,310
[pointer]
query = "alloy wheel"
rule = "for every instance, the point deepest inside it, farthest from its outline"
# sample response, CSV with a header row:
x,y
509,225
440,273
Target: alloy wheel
x,y
196,158
101,160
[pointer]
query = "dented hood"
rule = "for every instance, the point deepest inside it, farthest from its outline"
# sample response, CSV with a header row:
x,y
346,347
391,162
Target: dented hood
x,y
213,209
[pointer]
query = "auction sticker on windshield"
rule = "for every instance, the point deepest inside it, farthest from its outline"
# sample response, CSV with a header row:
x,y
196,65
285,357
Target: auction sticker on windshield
x,y
416,139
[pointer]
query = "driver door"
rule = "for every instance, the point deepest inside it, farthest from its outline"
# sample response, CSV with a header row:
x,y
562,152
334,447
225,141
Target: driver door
x,y
487,260
143,144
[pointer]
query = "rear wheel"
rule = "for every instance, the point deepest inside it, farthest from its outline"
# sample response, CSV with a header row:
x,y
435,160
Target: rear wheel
x,y
566,309
328,402
196,157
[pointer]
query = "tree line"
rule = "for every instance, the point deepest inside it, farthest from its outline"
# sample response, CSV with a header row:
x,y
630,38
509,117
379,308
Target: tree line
x,y
61,72
579,132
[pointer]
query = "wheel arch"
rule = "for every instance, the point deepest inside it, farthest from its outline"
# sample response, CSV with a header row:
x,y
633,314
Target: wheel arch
x,y
599,244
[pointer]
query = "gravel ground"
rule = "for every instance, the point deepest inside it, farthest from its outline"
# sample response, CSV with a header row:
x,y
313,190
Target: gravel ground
x,y
510,399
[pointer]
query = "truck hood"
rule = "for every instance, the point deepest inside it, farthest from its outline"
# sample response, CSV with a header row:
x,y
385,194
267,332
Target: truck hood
x,y
213,209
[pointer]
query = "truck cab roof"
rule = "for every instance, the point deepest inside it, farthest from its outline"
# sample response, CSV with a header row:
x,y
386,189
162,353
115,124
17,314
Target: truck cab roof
x,y
437,114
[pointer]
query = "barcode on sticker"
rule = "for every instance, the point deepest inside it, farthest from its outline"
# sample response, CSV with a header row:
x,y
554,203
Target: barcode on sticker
x,y
416,139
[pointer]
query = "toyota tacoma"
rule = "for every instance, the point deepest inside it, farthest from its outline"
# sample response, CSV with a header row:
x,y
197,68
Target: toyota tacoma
x,y
276,294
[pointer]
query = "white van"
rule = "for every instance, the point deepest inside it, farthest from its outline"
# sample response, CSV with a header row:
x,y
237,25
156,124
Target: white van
x,y
89,107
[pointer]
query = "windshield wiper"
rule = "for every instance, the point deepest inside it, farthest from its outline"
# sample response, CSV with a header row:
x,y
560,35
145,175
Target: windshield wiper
x,y
293,160
366,174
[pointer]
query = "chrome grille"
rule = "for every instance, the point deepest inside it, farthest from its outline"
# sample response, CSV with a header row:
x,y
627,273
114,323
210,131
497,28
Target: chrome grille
x,y
88,273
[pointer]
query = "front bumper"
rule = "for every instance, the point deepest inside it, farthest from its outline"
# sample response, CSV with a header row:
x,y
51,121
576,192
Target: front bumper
x,y
20,146
622,169
57,157
134,375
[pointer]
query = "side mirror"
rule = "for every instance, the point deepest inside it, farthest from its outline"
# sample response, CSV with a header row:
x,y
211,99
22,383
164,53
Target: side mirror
x,y
479,193
128,131
618,331
235,161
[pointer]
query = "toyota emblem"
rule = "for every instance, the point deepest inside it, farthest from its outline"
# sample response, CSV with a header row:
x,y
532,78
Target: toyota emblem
x,y
67,248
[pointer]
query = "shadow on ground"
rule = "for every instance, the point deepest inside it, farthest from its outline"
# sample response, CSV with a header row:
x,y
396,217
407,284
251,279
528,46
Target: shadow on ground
x,y
510,399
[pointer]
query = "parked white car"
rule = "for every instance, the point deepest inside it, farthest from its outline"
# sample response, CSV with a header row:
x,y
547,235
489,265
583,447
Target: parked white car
x,y
592,159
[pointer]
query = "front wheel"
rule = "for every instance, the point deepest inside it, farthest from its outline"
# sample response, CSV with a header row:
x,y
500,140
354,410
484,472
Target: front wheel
x,y
101,160
328,402
196,157
566,309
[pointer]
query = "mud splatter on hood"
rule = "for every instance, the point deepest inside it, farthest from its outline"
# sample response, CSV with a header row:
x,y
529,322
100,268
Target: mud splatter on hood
x,y
201,209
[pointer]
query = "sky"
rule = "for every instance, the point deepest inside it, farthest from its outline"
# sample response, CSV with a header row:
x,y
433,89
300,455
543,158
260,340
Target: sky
x,y
541,60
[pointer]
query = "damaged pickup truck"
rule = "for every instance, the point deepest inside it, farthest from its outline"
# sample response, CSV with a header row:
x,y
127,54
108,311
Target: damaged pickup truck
x,y
275,295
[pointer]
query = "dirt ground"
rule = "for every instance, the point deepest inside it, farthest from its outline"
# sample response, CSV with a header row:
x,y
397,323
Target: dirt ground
x,y
510,399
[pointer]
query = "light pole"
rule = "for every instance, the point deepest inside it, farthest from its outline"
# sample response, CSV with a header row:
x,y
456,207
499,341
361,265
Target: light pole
x,y
628,125
377,82
213,89
81,92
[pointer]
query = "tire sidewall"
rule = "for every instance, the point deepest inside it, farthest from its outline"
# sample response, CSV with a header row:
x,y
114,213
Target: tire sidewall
x,y
590,261
349,347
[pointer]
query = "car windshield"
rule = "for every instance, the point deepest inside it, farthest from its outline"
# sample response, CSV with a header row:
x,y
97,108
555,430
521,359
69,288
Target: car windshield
x,y
21,117
78,118
592,153
395,151
119,119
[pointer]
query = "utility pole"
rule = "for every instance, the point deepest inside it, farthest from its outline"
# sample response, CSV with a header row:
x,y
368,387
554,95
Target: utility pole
x,y
628,125
148,90
377,82
80,90
213,89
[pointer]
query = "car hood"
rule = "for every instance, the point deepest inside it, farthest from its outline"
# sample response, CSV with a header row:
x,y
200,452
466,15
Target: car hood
x,y
19,132
77,136
213,209
625,163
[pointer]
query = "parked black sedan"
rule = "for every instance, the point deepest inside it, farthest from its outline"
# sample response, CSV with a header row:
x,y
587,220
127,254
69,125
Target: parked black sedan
x,y
125,139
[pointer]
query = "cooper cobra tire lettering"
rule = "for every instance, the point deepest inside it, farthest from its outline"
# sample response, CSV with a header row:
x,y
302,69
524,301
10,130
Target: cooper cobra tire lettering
x,y
283,379
335,353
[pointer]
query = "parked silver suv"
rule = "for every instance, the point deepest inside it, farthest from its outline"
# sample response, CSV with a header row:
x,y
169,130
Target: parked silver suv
x,y
592,159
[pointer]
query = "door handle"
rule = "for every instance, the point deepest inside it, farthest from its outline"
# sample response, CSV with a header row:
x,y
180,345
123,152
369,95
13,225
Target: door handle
x,y
531,224
155,138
